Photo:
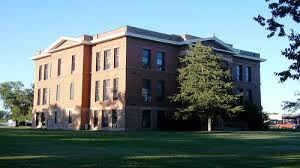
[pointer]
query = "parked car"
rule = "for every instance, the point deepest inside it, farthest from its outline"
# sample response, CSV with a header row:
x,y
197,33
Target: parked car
x,y
11,123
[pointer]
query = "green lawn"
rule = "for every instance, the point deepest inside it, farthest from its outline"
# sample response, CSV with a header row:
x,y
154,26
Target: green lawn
x,y
37,148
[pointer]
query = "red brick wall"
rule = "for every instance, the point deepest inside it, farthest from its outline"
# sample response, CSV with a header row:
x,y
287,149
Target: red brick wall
x,y
135,72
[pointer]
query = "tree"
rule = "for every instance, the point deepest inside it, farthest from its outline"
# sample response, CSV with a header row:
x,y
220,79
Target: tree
x,y
253,116
280,10
289,10
17,100
292,106
205,87
3,115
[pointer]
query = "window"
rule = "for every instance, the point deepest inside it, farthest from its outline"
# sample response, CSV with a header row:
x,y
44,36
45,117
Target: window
x,y
146,90
40,72
114,118
45,95
97,91
73,64
49,95
55,117
239,72
116,57
98,61
38,97
160,90
50,70
146,58
58,67
115,89
106,84
160,61
248,74
71,91
45,71
57,92
70,116
146,119
107,59
104,118
96,119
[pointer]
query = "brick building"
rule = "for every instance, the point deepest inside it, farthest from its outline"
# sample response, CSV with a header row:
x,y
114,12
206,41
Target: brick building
x,y
121,79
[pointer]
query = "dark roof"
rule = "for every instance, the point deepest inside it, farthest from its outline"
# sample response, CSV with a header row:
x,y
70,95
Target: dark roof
x,y
150,33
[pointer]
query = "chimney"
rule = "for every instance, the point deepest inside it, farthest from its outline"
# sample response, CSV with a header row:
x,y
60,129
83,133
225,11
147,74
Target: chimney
x,y
86,37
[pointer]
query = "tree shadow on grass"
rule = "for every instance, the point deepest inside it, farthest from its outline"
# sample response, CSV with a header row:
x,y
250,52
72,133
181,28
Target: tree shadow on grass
x,y
39,148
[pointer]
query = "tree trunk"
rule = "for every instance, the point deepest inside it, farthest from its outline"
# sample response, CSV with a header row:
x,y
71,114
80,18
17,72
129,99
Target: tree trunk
x,y
209,121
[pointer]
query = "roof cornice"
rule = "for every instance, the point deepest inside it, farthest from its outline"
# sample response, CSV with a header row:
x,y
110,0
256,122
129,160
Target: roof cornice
x,y
127,33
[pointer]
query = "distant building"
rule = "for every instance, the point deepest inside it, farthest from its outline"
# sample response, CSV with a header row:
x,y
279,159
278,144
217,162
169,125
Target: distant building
x,y
275,116
291,118
121,79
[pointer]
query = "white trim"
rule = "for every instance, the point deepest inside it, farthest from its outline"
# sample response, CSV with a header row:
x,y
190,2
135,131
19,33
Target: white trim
x,y
241,56
232,50
127,33
222,43
42,55
152,38
105,38
187,42
234,54
207,39
217,49
66,47
61,40
251,58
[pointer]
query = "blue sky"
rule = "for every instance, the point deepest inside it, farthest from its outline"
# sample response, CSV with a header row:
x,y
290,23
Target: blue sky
x,y
29,25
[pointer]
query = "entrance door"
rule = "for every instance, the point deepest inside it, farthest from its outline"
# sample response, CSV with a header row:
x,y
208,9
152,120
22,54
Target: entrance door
x,y
161,119
104,118
96,114
37,119
146,119
43,118
114,118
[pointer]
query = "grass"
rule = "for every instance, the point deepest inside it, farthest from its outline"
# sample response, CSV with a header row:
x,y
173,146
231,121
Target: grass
x,y
38,148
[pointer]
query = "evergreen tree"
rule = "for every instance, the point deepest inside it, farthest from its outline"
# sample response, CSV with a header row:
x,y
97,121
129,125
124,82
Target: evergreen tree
x,y
205,86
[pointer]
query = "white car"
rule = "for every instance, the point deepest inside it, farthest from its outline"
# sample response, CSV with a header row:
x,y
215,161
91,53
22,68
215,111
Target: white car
x,y
11,123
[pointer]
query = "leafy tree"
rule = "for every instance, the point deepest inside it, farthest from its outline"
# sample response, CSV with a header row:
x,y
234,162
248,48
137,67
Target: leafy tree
x,y
283,11
280,10
205,87
292,106
3,115
17,99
